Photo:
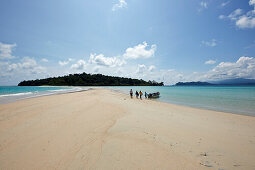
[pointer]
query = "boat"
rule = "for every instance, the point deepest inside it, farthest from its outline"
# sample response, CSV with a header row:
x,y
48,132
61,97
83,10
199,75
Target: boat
x,y
153,95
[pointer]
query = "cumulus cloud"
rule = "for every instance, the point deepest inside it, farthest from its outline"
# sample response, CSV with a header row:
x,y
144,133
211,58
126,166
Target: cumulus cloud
x,y
12,67
210,62
6,51
244,67
211,43
119,5
242,21
152,68
79,65
96,69
140,51
246,22
105,61
26,65
63,63
141,68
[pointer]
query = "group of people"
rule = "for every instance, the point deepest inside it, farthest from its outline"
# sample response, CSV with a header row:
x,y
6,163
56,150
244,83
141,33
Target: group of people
x,y
138,94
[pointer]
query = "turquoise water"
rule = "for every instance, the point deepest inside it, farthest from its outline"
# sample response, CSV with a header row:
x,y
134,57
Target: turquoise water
x,y
234,99
12,93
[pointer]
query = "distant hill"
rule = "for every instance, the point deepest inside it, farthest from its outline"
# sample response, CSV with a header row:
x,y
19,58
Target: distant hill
x,y
85,79
229,82
198,83
237,81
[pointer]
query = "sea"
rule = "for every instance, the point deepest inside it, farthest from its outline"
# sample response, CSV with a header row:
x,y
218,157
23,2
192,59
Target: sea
x,y
10,94
232,99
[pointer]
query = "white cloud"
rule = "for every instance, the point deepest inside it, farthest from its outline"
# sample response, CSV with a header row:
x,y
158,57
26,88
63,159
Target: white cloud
x,y
204,4
252,2
233,15
63,63
96,69
12,67
79,65
44,60
211,43
242,21
119,5
244,67
246,22
152,68
26,65
140,51
223,4
210,62
105,61
222,17
141,68
6,51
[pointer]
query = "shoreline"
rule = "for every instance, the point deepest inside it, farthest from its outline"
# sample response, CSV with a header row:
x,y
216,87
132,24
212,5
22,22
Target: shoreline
x,y
104,129
15,98
188,106
123,93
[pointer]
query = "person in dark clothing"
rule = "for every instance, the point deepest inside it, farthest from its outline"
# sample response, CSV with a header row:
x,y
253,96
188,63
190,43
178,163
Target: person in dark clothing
x,y
136,93
131,93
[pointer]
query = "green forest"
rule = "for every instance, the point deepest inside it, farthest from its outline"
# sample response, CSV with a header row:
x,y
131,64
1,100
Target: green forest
x,y
85,79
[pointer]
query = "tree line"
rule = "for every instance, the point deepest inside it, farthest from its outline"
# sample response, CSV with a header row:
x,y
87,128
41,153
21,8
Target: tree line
x,y
85,79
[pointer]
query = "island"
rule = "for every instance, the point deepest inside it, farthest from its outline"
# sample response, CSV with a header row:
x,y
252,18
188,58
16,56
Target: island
x,y
193,84
227,82
85,79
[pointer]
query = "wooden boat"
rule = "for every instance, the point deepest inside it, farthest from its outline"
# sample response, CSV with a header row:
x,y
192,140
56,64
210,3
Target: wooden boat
x,y
153,95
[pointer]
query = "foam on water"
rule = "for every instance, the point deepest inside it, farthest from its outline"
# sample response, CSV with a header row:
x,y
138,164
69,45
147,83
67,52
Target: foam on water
x,y
14,93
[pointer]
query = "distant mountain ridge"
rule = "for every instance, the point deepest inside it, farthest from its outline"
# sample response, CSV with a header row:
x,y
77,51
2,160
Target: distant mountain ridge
x,y
198,83
235,81
229,82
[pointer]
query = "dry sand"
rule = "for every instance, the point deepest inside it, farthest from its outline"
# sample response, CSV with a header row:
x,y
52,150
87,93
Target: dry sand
x,y
102,129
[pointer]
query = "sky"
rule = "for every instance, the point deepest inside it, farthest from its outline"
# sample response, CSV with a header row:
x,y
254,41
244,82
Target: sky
x,y
166,41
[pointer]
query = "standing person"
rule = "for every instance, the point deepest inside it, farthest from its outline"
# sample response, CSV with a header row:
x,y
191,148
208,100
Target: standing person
x,y
145,95
136,93
141,94
131,93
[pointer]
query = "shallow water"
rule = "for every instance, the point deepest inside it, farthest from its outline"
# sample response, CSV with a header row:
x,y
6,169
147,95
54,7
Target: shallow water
x,y
233,99
13,93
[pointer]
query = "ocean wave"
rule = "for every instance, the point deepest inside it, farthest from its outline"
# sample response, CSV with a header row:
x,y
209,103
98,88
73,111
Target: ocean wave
x,y
67,90
60,90
16,94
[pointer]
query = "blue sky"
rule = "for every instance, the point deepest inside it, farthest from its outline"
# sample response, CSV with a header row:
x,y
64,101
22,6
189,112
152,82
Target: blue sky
x,y
170,41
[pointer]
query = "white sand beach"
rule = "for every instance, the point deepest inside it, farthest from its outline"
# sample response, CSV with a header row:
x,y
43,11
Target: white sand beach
x,y
103,129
